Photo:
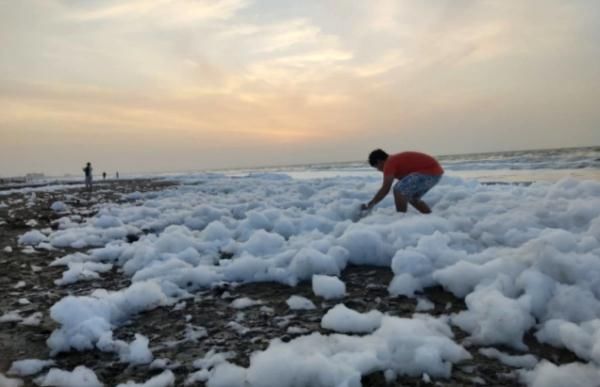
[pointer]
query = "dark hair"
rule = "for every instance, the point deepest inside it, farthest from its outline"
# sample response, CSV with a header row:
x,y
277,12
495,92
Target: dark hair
x,y
376,156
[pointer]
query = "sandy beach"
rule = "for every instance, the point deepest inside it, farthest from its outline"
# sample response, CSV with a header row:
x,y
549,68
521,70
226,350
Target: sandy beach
x,y
183,332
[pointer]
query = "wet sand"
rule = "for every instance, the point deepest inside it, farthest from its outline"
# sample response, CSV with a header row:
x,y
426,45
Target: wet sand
x,y
209,309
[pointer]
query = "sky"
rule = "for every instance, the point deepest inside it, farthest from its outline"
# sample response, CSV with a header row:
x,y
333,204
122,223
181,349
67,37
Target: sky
x,y
173,85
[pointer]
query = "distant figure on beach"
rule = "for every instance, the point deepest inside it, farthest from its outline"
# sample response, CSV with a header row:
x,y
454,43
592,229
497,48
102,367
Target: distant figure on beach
x,y
416,172
103,175
88,176
117,174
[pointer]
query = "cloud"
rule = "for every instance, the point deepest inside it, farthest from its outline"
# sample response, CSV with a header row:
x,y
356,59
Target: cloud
x,y
166,12
279,36
328,75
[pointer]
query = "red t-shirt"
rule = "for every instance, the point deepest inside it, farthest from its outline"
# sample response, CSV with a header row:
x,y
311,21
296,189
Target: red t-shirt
x,y
405,163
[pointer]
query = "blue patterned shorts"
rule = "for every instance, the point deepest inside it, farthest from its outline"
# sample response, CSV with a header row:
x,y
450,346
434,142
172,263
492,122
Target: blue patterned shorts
x,y
415,185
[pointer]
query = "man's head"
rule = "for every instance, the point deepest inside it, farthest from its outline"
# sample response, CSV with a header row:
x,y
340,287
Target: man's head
x,y
377,159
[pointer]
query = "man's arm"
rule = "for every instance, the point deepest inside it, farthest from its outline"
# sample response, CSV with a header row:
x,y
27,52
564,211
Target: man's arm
x,y
383,191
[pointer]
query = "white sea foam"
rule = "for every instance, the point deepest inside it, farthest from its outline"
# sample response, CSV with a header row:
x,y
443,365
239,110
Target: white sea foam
x,y
518,254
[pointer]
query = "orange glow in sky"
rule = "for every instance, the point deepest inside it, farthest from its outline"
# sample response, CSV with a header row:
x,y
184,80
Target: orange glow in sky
x,y
159,85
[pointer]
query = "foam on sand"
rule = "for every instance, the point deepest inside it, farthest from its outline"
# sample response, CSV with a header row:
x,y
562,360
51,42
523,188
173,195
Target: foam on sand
x,y
525,258
80,376
406,346
328,287
342,319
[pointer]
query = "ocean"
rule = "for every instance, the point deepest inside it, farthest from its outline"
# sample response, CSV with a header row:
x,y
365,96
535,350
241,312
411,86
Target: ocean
x,y
521,167
503,167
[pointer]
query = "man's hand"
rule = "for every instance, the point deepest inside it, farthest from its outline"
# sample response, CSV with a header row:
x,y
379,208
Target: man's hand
x,y
385,188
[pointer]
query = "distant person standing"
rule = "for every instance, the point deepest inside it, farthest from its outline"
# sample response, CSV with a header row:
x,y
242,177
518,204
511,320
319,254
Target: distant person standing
x,y
103,175
117,174
88,176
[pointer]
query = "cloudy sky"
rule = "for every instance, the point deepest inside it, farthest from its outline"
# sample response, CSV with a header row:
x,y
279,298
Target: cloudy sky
x,y
159,85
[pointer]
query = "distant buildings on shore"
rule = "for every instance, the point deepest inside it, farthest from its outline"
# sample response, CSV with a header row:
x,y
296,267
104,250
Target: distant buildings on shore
x,y
28,178
34,177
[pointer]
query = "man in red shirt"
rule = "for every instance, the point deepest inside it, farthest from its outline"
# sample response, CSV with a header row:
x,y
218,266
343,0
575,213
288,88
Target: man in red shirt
x,y
416,172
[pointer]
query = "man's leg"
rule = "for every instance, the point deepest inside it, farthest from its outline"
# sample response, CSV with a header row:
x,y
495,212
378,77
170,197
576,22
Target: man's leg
x,y
425,184
401,202
410,190
421,206
404,191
